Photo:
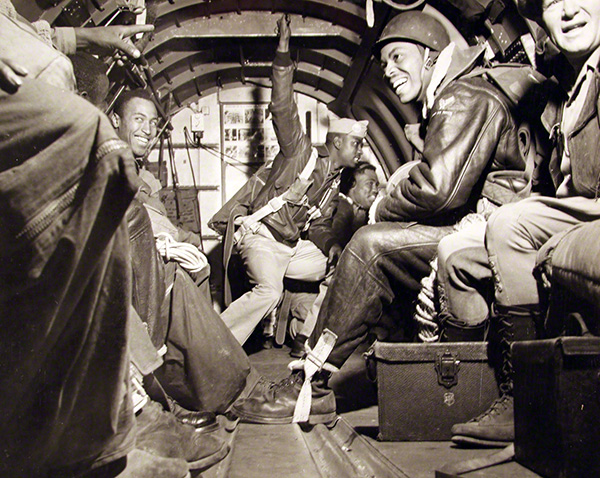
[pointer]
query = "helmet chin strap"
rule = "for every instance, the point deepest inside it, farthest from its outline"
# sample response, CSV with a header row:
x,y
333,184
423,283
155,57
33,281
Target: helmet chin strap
x,y
427,61
427,64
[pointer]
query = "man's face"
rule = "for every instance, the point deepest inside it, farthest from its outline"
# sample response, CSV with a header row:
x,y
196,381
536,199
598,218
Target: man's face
x,y
403,66
573,26
349,149
138,126
365,188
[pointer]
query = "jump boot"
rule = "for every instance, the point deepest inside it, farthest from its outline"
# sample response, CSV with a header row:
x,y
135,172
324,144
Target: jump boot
x,y
495,427
202,421
160,433
277,404
297,349
303,396
456,331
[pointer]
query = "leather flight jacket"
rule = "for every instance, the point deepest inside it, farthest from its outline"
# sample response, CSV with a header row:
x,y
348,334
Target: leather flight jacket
x,y
287,224
470,132
583,143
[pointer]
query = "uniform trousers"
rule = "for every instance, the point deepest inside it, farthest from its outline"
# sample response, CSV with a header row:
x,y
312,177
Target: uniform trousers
x,y
517,231
267,262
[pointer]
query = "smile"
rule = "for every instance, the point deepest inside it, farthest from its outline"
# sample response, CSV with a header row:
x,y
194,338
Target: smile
x,y
573,27
398,82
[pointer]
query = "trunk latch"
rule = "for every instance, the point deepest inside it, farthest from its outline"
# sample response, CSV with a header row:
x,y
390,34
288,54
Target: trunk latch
x,y
446,366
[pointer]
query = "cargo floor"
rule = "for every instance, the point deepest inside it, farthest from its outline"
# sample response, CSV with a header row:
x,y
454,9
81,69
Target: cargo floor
x,y
349,448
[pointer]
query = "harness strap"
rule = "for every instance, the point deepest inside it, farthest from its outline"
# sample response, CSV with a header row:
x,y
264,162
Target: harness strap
x,y
315,212
314,362
228,242
251,222
455,469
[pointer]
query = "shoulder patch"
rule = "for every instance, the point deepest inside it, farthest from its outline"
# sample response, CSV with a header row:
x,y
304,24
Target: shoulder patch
x,y
445,102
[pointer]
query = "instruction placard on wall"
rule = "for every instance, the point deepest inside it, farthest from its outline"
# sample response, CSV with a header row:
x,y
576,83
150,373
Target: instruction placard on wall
x,y
248,134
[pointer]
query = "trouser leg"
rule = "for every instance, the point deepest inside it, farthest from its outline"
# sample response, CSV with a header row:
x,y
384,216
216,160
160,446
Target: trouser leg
x,y
516,232
464,283
266,261
65,285
514,235
309,264
381,262
313,314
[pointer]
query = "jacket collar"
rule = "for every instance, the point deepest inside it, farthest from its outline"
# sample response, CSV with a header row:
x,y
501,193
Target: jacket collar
x,y
551,117
324,159
322,150
590,105
461,62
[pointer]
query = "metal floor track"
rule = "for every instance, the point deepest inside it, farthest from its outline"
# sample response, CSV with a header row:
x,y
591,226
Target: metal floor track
x,y
320,451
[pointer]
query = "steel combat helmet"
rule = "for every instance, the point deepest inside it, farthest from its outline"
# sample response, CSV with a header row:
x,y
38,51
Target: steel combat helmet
x,y
417,27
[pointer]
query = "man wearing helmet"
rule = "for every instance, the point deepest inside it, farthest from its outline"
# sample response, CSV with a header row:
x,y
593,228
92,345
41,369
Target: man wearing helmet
x,y
523,234
467,131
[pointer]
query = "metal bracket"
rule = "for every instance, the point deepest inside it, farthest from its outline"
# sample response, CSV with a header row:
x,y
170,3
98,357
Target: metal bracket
x,y
447,366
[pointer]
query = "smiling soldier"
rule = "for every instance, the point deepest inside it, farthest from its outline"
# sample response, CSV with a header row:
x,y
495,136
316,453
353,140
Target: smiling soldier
x,y
519,233
468,130
288,232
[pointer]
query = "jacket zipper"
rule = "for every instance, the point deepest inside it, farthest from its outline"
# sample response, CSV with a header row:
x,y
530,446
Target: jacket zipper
x,y
45,217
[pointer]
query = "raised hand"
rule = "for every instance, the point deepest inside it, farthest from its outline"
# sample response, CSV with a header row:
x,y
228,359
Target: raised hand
x,y
284,32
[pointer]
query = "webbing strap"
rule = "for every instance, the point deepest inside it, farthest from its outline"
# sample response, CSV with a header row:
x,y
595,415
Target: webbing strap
x,y
453,470
312,363
250,223
310,165
228,242
316,212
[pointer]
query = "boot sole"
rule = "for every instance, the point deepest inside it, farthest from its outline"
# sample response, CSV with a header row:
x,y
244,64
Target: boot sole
x,y
479,442
312,419
207,462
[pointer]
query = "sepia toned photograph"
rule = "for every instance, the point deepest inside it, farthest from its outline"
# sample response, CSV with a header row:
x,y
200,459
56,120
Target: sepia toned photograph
x,y
317,239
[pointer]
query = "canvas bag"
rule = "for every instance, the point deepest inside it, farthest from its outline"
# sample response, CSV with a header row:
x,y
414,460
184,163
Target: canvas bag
x,y
205,367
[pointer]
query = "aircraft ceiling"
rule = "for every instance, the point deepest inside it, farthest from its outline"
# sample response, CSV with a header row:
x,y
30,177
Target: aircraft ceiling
x,y
200,46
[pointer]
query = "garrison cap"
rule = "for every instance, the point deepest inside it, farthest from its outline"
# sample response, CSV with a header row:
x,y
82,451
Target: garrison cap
x,y
349,126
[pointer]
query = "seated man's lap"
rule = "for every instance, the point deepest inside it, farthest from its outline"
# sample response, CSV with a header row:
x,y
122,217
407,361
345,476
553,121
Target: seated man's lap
x,y
308,263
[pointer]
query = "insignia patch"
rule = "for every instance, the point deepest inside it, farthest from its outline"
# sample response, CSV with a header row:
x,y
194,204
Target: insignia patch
x,y
445,102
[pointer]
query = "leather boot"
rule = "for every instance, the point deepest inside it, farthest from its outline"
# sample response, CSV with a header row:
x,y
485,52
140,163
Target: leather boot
x,y
452,331
277,403
203,422
141,464
496,427
138,464
161,434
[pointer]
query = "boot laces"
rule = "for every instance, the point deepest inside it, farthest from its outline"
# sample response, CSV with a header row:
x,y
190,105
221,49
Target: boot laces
x,y
506,339
285,383
498,407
